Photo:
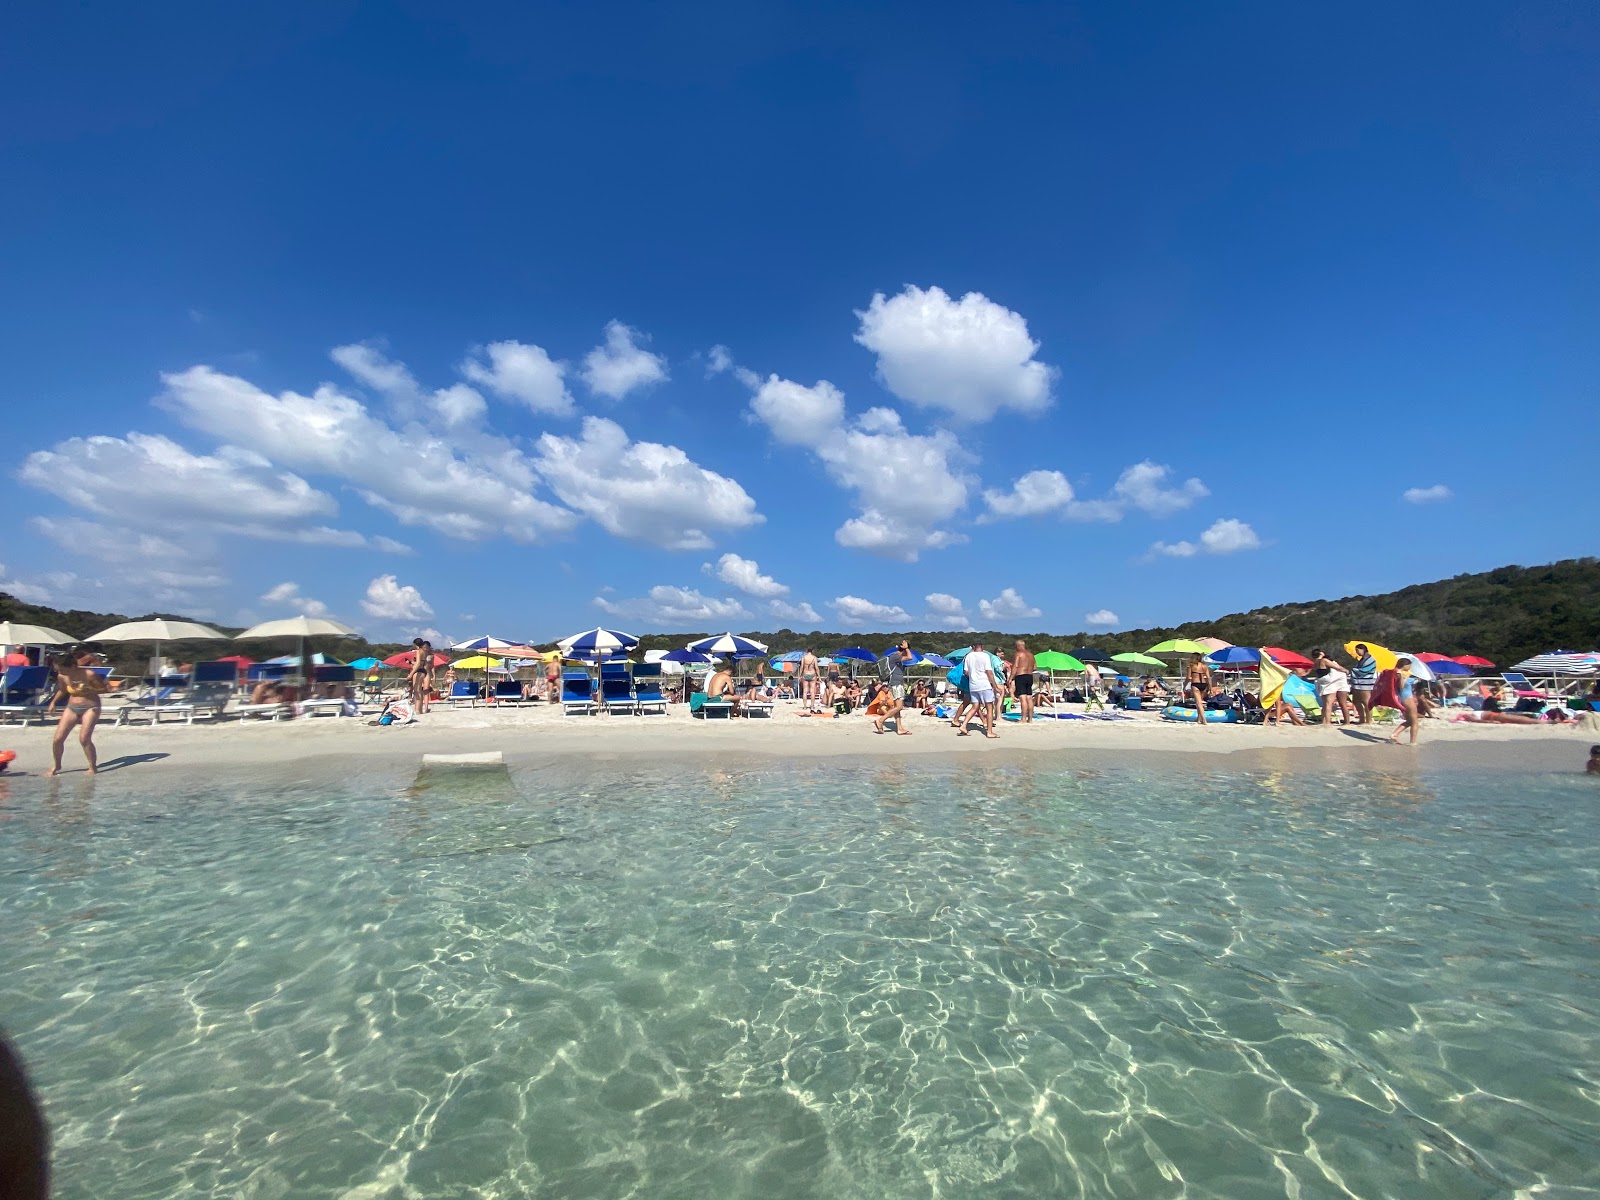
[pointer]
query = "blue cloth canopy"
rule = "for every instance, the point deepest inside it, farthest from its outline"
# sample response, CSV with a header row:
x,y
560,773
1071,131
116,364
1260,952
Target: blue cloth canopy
x,y
728,643
1230,656
859,653
685,656
1448,666
598,641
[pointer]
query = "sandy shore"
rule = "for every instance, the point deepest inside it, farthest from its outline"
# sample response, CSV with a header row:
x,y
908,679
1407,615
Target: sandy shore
x,y
540,732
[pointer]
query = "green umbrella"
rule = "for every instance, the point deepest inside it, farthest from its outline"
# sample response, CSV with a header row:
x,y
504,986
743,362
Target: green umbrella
x,y
1179,646
1054,660
1143,659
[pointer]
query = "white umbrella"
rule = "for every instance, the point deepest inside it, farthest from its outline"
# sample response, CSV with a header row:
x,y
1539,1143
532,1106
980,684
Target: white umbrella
x,y
159,630
1419,669
727,643
300,627
16,633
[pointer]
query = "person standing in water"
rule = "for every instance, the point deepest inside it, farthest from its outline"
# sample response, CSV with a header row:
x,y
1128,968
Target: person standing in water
x,y
1405,690
81,687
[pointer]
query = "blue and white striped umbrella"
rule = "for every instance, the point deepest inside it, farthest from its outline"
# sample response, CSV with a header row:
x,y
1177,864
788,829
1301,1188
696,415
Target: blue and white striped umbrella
x,y
605,642
1560,662
728,643
486,643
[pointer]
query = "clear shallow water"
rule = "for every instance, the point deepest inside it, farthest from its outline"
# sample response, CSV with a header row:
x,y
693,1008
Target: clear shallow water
x,y
787,981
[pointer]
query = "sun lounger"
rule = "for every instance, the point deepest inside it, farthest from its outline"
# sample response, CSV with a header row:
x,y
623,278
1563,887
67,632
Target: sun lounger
x,y
577,693
508,691
1523,688
616,693
754,706
166,705
647,688
700,705
274,711
24,693
463,691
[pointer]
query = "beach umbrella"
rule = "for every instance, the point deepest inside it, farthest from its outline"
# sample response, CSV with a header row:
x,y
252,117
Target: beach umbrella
x,y
1142,659
478,662
598,642
1381,655
1419,669
1472,660
729,643
159,630
938,660
1447,666
1234,656
365,664
793,656
1178,646
1089,654
20,633
1287,658
1054,660
406,659
1560,662
319,659
857,653
1432,657
1214,644
485,643
301,627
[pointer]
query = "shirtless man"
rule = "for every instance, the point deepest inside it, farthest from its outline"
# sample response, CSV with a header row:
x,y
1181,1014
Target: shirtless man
x,y
1022,668
810,678
720,687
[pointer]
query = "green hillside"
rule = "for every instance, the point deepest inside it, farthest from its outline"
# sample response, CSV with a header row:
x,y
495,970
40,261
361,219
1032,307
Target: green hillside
x,y
1504,615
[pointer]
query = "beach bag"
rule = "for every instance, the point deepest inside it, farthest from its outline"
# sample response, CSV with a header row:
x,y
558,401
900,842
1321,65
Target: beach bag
x,y
958,676
1384,692
883,668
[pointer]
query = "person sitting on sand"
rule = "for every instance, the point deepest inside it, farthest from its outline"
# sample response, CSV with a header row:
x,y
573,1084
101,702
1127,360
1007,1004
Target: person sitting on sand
x,y
1283,708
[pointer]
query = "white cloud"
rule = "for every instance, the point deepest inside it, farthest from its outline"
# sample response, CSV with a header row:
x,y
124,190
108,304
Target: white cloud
x,y
718,359
620,365
391,600
521,372
642,490
1007,606
1031,495
454,406
389,546
1226,536
1101,617
287,595
1144,486
419,476
946,612
863,615
1229,536
1427,495
801,613
674,608
745,574
905,484
970,357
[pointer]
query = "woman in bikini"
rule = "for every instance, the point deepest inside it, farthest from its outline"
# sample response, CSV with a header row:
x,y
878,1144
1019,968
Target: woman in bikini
x,y
421,677
80,687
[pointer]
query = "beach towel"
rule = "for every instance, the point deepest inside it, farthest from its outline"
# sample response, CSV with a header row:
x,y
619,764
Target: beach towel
x,y
1385,692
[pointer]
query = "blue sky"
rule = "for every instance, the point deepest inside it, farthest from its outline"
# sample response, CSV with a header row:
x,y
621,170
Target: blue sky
x,y
510,319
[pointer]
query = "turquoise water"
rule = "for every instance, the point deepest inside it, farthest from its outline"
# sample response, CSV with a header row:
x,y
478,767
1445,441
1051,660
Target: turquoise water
x,y
792,980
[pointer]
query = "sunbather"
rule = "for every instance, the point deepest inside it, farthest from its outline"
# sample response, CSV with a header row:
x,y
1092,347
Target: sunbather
x,y
720,687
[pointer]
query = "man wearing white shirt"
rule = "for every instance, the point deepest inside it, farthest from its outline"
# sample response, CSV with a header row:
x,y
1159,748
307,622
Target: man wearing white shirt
x,y
982,686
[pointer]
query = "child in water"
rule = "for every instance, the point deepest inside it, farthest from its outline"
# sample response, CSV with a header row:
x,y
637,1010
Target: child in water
x,y
1594,760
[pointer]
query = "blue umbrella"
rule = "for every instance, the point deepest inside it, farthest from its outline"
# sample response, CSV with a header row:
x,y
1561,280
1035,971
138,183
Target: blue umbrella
x,y
857,653
1233,656
605,642
486,643
366,664
1448,666
937,660
793,656
685,656
728,643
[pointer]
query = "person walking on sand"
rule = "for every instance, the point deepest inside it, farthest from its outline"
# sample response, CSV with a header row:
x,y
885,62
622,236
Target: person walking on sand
x,y
1333,685
1198,678
983,686
894,669
1022,668
80,687
1363,678
1091,689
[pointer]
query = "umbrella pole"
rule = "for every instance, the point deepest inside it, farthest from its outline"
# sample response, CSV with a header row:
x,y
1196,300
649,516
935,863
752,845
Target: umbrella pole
x,y
158,677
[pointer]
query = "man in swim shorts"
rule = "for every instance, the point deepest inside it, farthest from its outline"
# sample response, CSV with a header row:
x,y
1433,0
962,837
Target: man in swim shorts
x,y
1022,668
983,686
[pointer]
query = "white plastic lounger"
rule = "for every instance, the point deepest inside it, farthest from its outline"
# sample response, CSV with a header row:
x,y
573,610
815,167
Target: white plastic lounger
x,y
318,708
134,710
261,712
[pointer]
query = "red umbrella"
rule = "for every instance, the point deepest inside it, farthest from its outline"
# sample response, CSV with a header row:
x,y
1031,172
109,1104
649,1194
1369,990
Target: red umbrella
x,y
406,658
1285,658
1472,660
1436,658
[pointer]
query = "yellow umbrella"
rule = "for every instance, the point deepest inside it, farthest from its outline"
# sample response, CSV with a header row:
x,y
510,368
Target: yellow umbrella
x,y
1380,655
478,662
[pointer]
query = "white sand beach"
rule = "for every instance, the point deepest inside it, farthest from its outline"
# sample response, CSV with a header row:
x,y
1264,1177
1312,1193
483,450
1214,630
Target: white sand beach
x,y
541,731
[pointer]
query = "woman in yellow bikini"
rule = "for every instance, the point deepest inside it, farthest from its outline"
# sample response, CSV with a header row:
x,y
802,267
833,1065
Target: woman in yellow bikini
x,y
81,688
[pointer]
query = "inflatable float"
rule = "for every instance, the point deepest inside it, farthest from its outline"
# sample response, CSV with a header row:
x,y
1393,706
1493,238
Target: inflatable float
x,y
1214,716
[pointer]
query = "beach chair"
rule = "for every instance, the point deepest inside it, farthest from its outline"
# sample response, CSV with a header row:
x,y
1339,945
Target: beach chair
x,y
647,688
329,706
1524,689
168,704
507,691
700,705
755,706
275,710
463,691
24,693
577,693
616,692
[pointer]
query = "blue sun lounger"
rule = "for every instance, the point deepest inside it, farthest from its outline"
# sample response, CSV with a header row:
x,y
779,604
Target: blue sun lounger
x,y
647,688
577,693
